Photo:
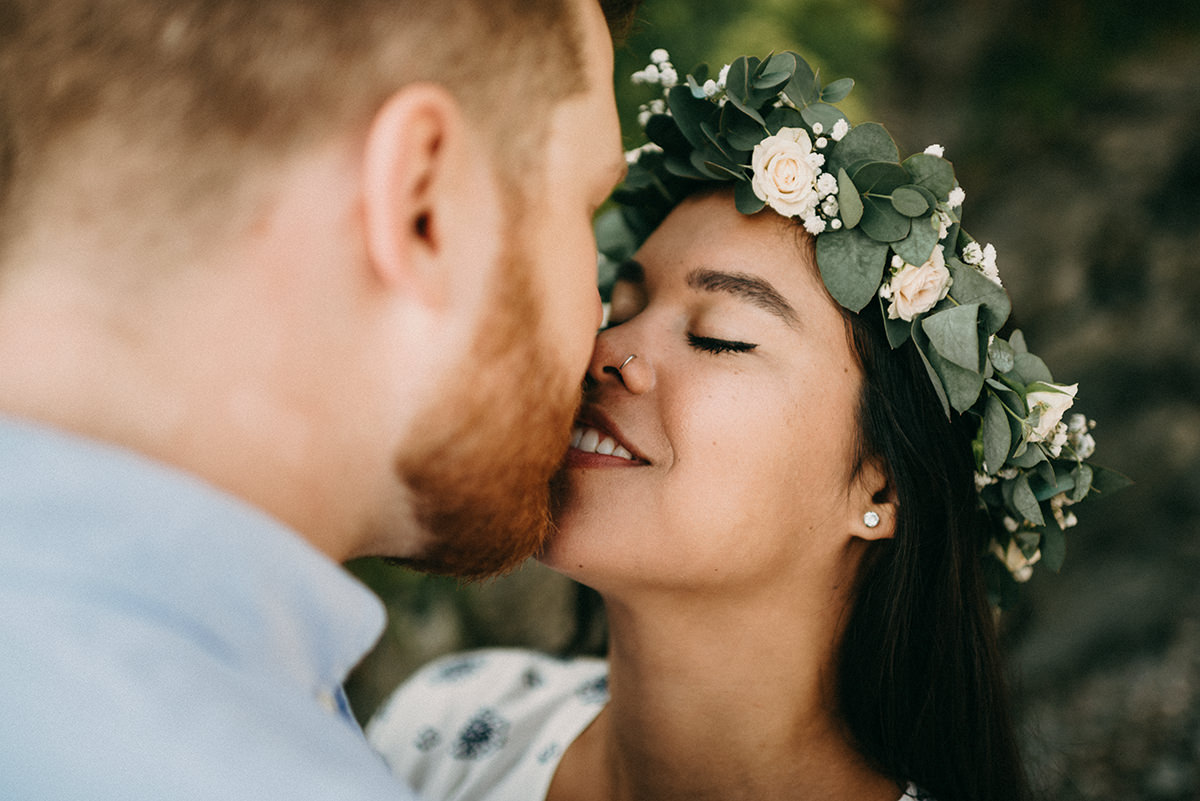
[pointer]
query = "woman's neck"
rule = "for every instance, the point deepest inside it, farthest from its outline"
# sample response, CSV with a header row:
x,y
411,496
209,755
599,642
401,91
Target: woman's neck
x,y
721,701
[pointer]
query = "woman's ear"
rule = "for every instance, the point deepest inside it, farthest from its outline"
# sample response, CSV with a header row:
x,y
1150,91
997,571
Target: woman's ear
x,y
873,503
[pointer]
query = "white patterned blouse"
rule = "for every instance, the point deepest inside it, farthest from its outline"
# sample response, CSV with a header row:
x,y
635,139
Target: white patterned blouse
x,y
491,725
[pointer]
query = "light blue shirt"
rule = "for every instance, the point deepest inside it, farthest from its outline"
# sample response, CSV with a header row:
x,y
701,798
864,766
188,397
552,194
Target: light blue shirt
x,y
161,640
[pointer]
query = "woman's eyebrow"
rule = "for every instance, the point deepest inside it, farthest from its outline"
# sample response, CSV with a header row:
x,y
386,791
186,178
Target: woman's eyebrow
x,y
750,288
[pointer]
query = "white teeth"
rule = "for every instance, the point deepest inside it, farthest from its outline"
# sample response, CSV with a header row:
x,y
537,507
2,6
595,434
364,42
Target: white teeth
x,y
590,440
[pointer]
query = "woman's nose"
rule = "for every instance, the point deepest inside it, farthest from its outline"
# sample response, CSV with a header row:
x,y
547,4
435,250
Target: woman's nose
x,y
613,360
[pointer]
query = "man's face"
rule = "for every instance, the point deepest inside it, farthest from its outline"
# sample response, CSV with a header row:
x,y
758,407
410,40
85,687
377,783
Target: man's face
x,y
480,475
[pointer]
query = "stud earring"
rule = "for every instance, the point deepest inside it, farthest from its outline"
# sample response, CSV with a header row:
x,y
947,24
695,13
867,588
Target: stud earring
x,y
871,519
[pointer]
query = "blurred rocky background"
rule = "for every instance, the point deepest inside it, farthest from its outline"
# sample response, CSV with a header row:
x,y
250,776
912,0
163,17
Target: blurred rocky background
x,y
1073,127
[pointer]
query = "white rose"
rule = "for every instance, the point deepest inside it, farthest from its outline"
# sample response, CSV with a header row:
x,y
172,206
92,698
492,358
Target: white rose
x,y
784,177
1049,405
1018,565
915,290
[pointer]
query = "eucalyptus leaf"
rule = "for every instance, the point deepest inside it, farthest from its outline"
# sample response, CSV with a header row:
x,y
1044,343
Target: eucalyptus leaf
x,y
1030,458
910,202
662,131
954,333
997,433
851,266
1002,355
1030,368
1083,481
737,80
1105,480
837,91
783,117
1021,500
689,112
850,206
932,172
744,198
934,379
740,131
972,286
619,241
898,331
1050,483
821,114
917,247
961,387
878,178
869,141
1054,547
883,223
1017,340
802,89
682,166
702,164
747,108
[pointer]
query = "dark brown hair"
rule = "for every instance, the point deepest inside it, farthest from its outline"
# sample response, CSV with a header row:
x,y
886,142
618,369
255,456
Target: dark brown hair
x,y
921,683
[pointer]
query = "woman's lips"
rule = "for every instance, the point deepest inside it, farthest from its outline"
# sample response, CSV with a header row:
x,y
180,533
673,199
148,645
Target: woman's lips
x,y
596,442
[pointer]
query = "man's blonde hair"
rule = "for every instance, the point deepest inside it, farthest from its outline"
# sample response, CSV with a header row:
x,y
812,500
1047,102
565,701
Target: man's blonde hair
x,y
207,89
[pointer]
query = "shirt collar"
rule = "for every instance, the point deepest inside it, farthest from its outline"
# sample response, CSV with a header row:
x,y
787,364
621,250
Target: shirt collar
x,y
125,527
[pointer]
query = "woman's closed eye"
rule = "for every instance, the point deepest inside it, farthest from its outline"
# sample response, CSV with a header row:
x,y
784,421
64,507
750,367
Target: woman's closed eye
x,y
716,346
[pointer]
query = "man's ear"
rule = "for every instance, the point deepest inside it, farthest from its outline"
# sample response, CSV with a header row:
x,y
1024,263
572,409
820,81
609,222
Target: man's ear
x,y
417,197
873,503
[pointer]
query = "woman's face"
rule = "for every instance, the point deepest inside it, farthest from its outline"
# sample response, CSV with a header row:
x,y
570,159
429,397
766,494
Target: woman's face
x,y
723,454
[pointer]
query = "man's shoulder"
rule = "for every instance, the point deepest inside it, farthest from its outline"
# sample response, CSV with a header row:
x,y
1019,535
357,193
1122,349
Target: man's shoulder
x,y
151,716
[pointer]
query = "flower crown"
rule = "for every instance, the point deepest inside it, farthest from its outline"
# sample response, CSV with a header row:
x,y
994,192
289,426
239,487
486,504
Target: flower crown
x,y
888,231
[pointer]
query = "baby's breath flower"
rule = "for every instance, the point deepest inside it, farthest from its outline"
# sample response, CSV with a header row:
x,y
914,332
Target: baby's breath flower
x,y
936,150
835,224
1064,519
1018,564
829,206
668,76
710,88
822,141
631,156
1057,440
814,225
957,196
826,184
818,128
983,480
659,55
722,76
944,224
840,129
972,253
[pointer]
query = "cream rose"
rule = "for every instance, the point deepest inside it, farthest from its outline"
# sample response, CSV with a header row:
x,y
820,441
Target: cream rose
x,y
915,290
1049,405
784,174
